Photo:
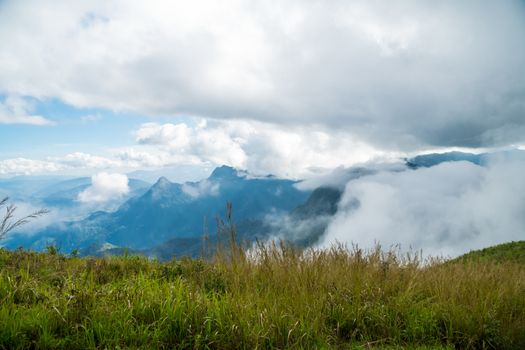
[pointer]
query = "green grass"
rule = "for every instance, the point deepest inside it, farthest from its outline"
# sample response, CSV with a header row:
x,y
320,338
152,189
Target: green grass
x,y
507,252
268,297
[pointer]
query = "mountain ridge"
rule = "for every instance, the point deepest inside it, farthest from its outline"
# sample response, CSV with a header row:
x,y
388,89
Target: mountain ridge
x,y
168,211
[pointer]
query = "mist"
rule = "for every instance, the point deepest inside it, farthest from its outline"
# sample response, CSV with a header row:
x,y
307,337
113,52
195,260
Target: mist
x,y
444,210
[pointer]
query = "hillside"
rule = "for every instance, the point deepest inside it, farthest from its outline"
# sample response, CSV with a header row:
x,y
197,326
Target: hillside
x,y
507,252
280,298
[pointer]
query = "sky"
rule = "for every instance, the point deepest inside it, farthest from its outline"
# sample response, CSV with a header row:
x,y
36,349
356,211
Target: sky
x,y
285,87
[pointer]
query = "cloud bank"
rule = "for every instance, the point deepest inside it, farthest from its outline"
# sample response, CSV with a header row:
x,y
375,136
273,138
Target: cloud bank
x,y
24,166
261,148
447,209
105,187
403,74
71,161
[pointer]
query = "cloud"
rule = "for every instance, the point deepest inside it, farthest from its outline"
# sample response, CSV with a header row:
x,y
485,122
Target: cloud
x,y
174,135
340,176
16,110
24,166
403,74
24,209
71,161
301,231
446,209
85,160
105,187
140,157
201,189
259,147
91,118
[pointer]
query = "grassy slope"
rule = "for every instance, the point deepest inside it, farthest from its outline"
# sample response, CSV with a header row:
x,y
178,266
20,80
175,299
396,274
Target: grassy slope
x,y
332,299
507,252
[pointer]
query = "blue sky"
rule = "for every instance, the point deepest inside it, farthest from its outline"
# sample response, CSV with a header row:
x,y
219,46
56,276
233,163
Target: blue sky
x,y
84,130
73,129
295,89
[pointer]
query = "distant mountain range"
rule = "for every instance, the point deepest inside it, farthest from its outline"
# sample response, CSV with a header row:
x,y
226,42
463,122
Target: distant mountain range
x,y
428,160
57,191
166,218
169,211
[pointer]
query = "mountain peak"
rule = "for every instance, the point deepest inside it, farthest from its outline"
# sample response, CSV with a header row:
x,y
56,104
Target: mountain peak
x,y
162,182
224,172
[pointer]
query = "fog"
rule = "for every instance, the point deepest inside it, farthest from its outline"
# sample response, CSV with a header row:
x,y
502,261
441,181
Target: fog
x,y
443,210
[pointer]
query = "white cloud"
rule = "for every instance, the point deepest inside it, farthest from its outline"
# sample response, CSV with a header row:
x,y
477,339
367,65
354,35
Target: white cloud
x,y
261,148
105,187
446,209
71,161
174,135
85,160
340,176
201,189
140,157
24,166
25,208
256,146
403,74
16,110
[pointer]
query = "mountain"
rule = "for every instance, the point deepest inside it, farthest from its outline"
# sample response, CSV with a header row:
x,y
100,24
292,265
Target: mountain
x,y
180,173
65,193
23,187
170,211
55,191
308,222
429,160
169,218
322,201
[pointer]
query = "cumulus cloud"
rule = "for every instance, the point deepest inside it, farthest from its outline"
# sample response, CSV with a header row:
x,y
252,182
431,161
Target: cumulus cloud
x,y
85,160
447,209
140,157
71,161
256,146
401,74
15,110
24,166
175,135
261,148
105,187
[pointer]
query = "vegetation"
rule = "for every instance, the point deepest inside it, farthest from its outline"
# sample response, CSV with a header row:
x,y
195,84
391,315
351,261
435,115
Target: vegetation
x,y
9,223
507,252
269,296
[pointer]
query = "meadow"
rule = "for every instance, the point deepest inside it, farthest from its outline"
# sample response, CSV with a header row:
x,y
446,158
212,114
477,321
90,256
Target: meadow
x,y
270,296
